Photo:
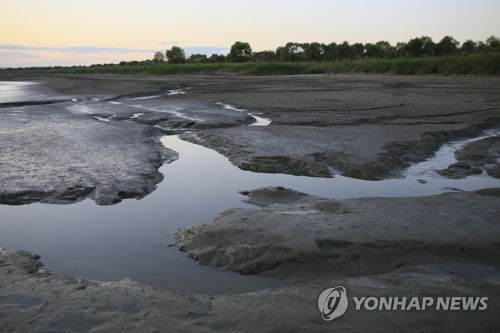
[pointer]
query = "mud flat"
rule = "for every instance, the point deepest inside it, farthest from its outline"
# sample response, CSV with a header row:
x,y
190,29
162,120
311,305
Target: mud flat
x,y
476,157
363,126
97,137
54,156
35,300
65,148
299,234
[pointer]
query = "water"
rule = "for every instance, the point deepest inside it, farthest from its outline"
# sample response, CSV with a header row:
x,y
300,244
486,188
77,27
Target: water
x,y
259,121
21,91
130,239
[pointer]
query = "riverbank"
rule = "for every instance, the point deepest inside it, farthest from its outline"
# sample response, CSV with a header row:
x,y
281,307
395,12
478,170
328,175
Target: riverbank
x,y
475,64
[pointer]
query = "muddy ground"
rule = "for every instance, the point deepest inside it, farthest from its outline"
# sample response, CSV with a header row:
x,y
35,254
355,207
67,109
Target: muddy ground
x,y
97,137
363,126
34,300
298,234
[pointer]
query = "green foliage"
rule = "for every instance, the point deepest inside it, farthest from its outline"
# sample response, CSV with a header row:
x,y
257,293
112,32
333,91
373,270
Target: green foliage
x,y
418,56
468,47
292,52
216,58
480,64
240,52
493,43
176,55
420,47
198,58
264,56
314,51
447,46
159,57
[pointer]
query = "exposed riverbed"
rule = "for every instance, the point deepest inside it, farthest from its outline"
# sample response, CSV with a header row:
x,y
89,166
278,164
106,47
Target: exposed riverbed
x,y
130,239
88,147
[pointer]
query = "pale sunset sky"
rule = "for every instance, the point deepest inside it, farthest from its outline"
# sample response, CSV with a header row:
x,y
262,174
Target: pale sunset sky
x,y
67,32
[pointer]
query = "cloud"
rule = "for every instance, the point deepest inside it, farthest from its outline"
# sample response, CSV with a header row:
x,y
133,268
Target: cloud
x,y
73,49
189,50
208,50
15,55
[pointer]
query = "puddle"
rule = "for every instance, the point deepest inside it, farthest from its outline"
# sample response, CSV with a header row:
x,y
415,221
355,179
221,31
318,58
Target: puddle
x,y
171,92
105,119
171,109
445,156
137,115
15,91
144,97
176,92
259,121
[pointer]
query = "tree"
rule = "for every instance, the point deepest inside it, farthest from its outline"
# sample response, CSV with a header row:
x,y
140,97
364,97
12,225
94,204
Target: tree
x,y
198,58
291,52
330,52
264,56
446,46
493,43
217,58
344,51
401,49
159,57
297,51
357,51
468,47
415,47
240,52
176,55
373,51
314,51
419,47
388,51
481,47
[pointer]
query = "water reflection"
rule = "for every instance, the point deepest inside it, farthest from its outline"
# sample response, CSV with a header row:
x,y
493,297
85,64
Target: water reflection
x,y
129,239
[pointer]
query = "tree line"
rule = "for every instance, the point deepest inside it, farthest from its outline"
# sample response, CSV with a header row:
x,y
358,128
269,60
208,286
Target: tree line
x,y
301,52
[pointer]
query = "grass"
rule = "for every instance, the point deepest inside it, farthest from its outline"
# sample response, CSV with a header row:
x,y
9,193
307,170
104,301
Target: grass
x,y
475,64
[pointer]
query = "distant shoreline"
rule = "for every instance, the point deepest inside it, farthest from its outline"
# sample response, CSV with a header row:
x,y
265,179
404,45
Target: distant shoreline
x,y
475,64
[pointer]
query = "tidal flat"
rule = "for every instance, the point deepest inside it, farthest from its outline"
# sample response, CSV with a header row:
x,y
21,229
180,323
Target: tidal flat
x,y
276,187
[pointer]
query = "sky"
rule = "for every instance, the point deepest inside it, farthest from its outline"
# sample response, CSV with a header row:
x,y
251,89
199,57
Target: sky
x,y
67,32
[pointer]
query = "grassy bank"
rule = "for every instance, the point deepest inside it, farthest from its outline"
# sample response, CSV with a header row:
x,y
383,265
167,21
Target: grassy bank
x,y
476,64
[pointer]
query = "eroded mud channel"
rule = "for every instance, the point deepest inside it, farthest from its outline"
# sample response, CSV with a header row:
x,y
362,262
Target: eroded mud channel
x,y
274,185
